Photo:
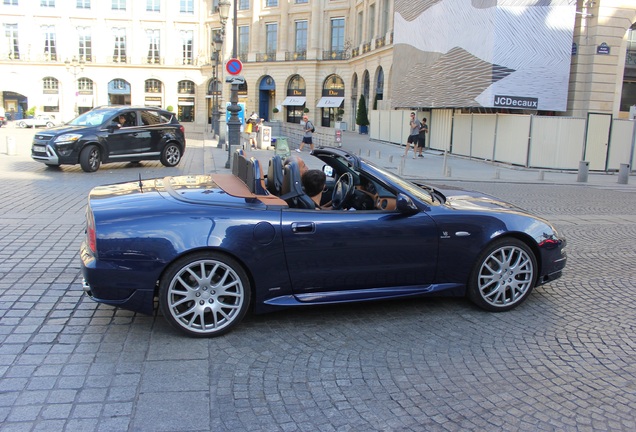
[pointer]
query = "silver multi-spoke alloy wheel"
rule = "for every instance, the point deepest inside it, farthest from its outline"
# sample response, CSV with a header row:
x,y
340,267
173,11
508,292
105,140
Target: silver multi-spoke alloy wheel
x,y
504,275
204,294
171,155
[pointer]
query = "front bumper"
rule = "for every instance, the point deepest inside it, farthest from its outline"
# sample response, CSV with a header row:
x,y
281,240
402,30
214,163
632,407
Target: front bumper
x,y
45,154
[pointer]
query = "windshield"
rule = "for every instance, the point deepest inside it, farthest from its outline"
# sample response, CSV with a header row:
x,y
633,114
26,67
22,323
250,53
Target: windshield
x,y
93,118
406,185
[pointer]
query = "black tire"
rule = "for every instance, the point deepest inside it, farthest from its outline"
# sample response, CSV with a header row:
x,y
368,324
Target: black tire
x,y
49,125
90,158
204,294
171,155
51,165
504,275
22,124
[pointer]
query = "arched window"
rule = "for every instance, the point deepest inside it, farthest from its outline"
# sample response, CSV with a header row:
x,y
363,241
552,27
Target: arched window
x,y
153,86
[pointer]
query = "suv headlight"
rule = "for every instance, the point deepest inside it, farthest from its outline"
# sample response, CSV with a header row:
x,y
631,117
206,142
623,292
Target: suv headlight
x,y
67,138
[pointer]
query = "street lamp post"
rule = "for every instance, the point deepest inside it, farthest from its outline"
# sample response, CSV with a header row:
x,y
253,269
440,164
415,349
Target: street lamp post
x,y
218,45
75,66
224,13
234,123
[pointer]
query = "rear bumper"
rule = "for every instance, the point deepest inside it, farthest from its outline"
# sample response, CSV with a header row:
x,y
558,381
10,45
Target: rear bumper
x,y
111,284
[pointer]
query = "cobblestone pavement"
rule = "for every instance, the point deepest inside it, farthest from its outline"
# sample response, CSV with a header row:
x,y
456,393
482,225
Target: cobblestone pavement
x,y
562,361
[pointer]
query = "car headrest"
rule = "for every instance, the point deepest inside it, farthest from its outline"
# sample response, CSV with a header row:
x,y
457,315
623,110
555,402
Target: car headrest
x,y
254,178
239,165
237,162
275,176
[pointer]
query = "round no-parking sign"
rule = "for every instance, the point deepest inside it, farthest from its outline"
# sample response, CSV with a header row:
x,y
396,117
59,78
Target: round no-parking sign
x,y
234,66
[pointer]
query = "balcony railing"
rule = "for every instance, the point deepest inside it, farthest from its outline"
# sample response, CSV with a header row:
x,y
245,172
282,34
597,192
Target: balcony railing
x,y
380,42
630,59
366,47
296,55
355,52
266,57
335,55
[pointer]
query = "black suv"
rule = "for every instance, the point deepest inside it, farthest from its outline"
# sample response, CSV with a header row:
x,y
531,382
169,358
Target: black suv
x,y
112,134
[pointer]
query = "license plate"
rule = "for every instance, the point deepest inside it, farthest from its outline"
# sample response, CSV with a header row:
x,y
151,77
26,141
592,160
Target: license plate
x,y
39,149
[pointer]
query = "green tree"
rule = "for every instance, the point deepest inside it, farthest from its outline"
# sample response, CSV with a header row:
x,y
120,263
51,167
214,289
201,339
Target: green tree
x,y
362,119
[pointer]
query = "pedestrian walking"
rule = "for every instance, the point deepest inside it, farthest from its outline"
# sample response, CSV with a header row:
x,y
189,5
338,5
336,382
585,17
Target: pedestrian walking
x,y
421,143
308,129
414,135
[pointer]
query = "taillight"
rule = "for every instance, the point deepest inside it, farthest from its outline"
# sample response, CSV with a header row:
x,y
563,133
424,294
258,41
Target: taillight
x,y
90,231
182,129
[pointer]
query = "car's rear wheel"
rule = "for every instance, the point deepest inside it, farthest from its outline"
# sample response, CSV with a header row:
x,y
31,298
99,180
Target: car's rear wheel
x,y
204,294
90,158
171,155
504,275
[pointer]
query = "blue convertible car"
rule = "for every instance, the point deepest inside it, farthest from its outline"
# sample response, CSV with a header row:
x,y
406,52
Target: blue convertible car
x,y
211,247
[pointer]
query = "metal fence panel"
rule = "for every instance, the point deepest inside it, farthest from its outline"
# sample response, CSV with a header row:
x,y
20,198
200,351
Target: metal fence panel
x,y
556,142
462,129
483,142
621,143
512,138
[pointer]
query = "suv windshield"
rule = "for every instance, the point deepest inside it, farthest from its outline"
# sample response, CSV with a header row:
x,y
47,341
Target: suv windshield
x,y
93,118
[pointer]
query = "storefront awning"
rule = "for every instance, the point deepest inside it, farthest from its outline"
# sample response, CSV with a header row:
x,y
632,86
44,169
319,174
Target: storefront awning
x,y
295,100
85,101
330,102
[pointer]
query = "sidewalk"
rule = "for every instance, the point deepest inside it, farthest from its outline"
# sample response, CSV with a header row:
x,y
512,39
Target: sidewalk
x,y
436,167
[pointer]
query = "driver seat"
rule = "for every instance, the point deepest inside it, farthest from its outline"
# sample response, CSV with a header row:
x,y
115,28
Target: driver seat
x,y
292,189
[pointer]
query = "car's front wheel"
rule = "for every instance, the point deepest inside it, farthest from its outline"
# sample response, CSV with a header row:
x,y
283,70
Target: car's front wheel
x,y
49,125
22,124
204,294
504,275
171,155
90,158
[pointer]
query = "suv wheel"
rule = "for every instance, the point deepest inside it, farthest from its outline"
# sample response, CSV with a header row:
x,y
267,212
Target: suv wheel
x,y
171,155
90,158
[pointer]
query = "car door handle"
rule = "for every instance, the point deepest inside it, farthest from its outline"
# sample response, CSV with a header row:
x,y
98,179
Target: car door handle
x,y
303,227
135,134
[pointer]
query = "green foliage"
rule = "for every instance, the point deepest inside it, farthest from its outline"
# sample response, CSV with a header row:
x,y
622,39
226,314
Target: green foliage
x,y
275,110
305,110
362,118
30,112
170,108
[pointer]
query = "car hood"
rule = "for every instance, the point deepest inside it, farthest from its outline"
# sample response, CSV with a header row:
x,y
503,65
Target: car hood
x,y
469,200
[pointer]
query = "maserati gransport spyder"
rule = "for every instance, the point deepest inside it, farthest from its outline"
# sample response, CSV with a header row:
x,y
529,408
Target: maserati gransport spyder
x,y
212,247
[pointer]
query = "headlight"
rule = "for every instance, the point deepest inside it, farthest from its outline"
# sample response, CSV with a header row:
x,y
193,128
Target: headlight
x,y
67,138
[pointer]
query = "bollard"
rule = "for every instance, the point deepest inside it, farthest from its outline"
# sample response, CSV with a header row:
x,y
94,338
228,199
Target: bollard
x,y
377,154
497,174
391,159
368,152
11,146
583,171
448,172
444,164
623,174
401,166
541,175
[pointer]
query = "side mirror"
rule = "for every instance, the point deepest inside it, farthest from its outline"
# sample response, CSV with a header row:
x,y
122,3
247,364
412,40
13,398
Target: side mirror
x,y
405,205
